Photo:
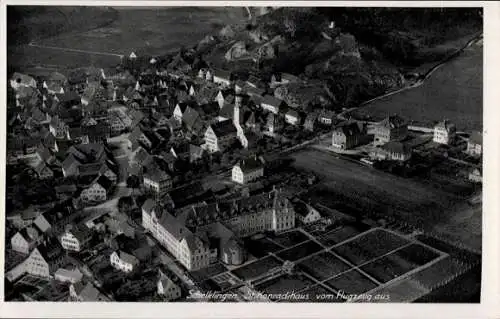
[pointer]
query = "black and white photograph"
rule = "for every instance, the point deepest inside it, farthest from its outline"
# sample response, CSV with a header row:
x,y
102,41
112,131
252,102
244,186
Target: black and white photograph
x,y
221,154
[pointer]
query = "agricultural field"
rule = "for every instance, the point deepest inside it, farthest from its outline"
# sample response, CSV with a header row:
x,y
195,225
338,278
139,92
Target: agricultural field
x,y
323,266
290,238
261,247
351,282
454,91
338,235
367,192
371,245
284,284
300,251
257,268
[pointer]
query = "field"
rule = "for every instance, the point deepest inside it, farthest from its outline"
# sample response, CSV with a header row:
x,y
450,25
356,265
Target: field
x,y
323,266
454,92
338,235
352,282
371,245
366,191
205,273
261,247
284,284
143,31
257,268
290,239
300,251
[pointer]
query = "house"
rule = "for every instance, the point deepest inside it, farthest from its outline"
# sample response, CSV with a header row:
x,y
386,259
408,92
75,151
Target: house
x,y
98,191
283,79
26,239
274,123
122,261
42,224
86,292
305,213
310,121
475,144
326,117
68,275
271,104
444,132
43,171
247,171
167,288
253,81
180,151
392,128
22,80
221,77
58,127
475,175
139,138
346,136
220,135
24,218
232,252
157,181
45,259
179,110
65,191
75,238
393,151
195,153
292,117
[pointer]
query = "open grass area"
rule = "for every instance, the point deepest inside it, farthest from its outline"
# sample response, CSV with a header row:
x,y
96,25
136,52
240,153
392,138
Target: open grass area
x,y
371,245
257,268
454,92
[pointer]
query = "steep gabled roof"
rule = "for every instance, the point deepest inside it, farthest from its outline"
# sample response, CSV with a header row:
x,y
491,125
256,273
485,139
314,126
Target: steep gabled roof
x,y
393,121
223,128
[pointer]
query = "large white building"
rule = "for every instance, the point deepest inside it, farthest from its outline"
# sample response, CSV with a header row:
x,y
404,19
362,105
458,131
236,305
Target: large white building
x,y
188,249
75,238
444,132
220,135
247,171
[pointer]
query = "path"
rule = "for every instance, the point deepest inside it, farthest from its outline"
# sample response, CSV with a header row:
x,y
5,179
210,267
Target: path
x,y
75,50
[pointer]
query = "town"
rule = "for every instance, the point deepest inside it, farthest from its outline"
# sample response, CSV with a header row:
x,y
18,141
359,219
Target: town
x,y
168,178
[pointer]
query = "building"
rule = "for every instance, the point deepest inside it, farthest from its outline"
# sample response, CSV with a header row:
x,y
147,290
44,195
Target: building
x,y
221,77
75,238
475,144
26,239
392,128
233,253
157,181
188,249
68,275
346,136
326,117
167,288
98,191
305,213
247,171
475,175
393,151
219,136
271,104
45,259
124,262
292,117
86,292
274,123
444,132
22,80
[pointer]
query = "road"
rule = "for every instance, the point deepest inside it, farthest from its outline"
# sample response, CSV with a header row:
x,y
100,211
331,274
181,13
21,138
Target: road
x,y
32,44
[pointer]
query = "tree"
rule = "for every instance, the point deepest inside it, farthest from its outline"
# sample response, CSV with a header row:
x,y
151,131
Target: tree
x,y
133,182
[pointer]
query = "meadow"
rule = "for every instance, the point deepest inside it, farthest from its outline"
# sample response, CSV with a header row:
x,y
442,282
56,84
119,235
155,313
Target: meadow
x,y
454,92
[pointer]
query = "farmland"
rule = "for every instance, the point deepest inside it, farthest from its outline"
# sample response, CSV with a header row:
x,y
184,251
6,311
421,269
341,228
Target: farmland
x,y
323,265
141,30
454,91
368,192
257,268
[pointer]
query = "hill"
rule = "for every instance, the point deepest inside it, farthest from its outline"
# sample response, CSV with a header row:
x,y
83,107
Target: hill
x,y
28,23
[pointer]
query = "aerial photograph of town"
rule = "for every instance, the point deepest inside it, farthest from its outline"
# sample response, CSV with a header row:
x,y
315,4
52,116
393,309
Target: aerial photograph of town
x,y
243,154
